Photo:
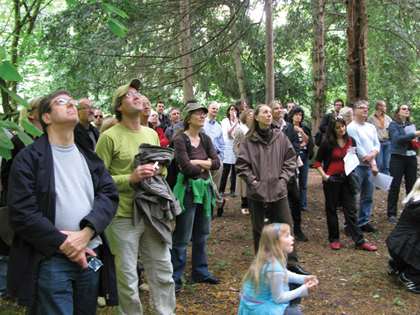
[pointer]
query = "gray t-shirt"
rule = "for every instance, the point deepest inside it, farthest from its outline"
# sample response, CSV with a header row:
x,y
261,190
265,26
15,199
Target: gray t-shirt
x,y
73,188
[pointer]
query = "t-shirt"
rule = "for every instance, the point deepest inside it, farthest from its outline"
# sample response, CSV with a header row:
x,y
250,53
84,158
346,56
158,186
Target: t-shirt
x,y
117,147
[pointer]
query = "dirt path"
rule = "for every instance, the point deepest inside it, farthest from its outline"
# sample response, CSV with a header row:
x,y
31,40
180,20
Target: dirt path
x,y
351,282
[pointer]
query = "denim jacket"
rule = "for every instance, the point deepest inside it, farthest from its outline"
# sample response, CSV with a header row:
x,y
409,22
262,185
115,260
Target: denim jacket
x,y
400,141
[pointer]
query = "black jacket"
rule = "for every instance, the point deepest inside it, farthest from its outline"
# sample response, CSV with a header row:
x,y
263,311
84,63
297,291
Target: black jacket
x,y
324,123
164,122
324,154
404,240
31,204
310,144
81,135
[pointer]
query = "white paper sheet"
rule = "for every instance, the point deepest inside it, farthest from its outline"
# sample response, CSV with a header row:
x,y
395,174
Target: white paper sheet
x,y
351,161
410,129
381,181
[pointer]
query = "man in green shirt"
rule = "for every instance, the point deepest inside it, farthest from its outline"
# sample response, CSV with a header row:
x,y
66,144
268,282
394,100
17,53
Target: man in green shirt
x,y
117,147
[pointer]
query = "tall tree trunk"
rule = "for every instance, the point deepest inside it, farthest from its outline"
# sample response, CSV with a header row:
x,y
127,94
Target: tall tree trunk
x,y
186,71
269,53
318,64
240,73
357,67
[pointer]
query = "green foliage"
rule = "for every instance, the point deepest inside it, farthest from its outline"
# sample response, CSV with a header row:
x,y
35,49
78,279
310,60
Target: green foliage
x,y
16,97
9,72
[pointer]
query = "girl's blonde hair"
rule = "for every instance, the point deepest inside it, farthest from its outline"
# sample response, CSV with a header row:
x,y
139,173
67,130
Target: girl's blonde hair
x,y
108,122
24,112
414,193
269,253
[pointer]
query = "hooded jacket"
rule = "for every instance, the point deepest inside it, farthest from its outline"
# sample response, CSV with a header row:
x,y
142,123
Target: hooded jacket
x,y
267,163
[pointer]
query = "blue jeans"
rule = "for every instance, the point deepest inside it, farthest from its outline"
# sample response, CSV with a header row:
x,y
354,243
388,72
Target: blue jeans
x,y
192,222
384,156
401,166
64,287
367,192
303,178
3,270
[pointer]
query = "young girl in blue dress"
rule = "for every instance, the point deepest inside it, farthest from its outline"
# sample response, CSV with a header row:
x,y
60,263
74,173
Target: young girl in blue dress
x,y
265,286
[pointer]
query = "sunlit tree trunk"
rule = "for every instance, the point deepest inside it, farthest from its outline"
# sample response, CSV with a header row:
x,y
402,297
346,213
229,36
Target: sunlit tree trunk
x,y
318,64
269,53
186,71
357,67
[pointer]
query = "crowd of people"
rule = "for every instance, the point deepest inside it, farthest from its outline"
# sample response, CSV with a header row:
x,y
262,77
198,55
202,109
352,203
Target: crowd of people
x,y
89,196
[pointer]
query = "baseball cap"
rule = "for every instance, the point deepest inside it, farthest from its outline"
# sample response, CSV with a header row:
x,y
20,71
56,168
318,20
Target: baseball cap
x,y
122,90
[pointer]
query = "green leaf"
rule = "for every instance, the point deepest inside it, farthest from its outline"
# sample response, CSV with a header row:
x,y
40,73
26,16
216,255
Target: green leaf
x,y
5,142
222,263
2,53
376,296
116,29
92,1
182,278
5,153
10,125
25,138
71,1
119,23
111,9
17,98
9,72
31,129
398,302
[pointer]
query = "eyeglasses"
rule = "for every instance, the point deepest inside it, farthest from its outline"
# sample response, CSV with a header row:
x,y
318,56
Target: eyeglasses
x,y
129,94
147,104
87,107
405,108
100,116
362,108
64,101
198,113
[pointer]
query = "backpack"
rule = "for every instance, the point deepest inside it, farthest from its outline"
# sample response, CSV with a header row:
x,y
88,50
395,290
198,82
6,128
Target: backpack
x,y
173,169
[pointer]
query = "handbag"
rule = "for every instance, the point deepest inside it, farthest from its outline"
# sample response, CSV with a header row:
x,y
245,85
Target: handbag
x,y
354,180
415,143
6,232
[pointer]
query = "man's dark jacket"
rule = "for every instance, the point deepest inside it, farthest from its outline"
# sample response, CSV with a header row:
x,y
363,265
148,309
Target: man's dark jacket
x,y
81,135
31,204
164,122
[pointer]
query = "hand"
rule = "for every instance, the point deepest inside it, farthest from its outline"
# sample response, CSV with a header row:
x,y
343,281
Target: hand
x,y
303,144
311,282
75,242
297,128
417,133
327,177
368,158
254,182
374,168
81,257
142,171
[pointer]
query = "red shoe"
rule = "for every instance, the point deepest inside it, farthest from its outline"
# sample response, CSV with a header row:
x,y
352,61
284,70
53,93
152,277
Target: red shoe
x,y
335,245
367,246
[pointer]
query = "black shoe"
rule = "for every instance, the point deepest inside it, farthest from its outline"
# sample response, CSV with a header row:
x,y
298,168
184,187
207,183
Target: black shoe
x,y
369,228
304,209
392,219
409,284
177,288
212,280
221,210
298,269
392,269
222,194
232,194
347,232
299,235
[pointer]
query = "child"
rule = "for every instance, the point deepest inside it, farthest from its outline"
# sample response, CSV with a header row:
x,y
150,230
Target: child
x,y
265,287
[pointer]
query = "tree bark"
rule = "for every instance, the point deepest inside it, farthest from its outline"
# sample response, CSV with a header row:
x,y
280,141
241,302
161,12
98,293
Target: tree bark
x,y
357,67
269,53
319,69
186,71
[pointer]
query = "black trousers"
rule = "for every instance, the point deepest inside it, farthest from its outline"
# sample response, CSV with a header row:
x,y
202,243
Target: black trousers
x,y
410,272
338,188
281,214
225,175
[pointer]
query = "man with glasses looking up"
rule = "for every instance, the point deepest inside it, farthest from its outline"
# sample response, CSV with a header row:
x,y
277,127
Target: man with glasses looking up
x,y
99,118
117,147
61,199
368,147
381,121
85,133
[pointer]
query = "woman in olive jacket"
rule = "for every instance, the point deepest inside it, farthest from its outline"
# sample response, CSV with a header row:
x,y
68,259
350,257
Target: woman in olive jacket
x,y
266,161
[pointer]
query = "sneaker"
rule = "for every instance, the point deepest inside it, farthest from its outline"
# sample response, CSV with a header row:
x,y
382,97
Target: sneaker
x,y
245,211
101,301
304,209
392,269
392,219
232,194
369,228
409,284
335,245
222,194
366,246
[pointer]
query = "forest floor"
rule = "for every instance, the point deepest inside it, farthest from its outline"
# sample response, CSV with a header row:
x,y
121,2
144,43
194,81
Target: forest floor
x,y
351,281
